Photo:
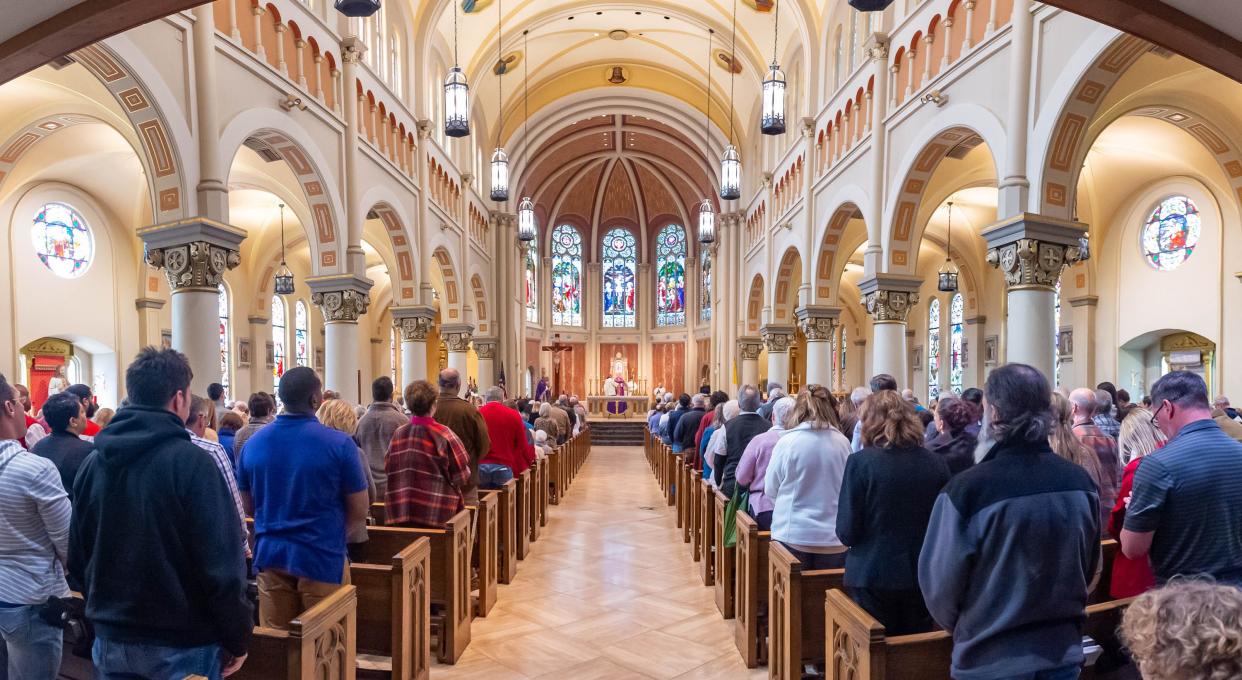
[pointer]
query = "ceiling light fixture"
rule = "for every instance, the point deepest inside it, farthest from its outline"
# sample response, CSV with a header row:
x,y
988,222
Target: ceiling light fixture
x,y
731,161
357,8
707,212
947,276
500,160
456,94
773,120
283,283
528,229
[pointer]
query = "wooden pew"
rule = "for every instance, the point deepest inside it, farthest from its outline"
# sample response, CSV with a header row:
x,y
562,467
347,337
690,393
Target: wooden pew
x,y
523,515
507,519
535,501
695,491
725,557
486,553
672,462
677,472
796,613
394,613
750,631
320,645
545,491
684,469
707,524
556,466
450,576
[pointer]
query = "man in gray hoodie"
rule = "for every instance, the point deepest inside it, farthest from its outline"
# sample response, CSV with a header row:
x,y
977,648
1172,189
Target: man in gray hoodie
x,y
375,429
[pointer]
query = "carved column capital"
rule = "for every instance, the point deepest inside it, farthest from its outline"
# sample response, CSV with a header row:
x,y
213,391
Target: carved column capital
x,y
877,47
889,297
818,322
485,348
1032,250
749,348
414,323
194,253
342,299
457,336
777,338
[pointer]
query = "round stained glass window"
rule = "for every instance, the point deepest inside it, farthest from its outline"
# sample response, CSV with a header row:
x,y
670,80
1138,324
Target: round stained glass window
x,y
1171,233
63,241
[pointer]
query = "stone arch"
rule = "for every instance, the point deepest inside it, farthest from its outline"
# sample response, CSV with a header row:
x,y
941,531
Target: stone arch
x,y
754,305
785,288
451,294
825,271
482,322
405,276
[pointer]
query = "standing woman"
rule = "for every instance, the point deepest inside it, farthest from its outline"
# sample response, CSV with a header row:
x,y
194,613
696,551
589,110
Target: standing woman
x,y
339,415
1138,439
955,441
1066,444
804,481
887,497
548,424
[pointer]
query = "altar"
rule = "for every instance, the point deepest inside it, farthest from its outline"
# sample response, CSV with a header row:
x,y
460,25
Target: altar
x,y
635,405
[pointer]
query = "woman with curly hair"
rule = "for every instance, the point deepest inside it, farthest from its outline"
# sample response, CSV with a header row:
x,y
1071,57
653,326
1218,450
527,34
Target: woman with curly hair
x,y
1187,630
956,440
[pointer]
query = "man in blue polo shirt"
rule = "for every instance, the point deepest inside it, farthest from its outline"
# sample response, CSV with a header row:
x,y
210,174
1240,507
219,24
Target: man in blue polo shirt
x,y
303,484
1184,506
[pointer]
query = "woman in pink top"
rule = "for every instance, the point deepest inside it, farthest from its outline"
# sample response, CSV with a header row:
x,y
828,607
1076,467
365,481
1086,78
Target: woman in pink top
x,y
753,466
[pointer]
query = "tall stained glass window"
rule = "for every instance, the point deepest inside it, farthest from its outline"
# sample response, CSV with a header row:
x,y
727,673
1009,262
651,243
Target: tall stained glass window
x,y
933,349
393,360
566,276
1171,233
531,278
957,314
836,359
63,240
620,271
671,276
223,304
301,333
844,344
278,339
1056,333
705,286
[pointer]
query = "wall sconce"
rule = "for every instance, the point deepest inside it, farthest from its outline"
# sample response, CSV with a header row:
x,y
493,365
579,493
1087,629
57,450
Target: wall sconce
x,y
935,97
291,102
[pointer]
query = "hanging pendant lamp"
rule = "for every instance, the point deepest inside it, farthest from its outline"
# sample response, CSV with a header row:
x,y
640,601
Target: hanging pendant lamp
x,y
947,276
731,161
357,8
772,121
707,211
527,226
283,282
500,159
456,94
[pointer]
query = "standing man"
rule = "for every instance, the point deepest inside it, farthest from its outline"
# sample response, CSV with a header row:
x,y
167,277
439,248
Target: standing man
x,y
1014,607
1183,510
563,424
510,452
34,429
375,429
165,578
34,543
464,420
304,483
1083,403
215,392
776,392
738,433
83,393
670,433
196,424
67,451
1104,418
688,425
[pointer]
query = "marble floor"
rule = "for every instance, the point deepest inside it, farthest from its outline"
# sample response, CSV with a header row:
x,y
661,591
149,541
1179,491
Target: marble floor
x,y
608,593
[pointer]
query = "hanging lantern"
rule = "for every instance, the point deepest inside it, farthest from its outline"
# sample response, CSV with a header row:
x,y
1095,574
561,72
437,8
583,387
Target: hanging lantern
x,y
456,104
357,8
500,175
947,275
527,228
773,122
870,5
283,282
707,222
730,174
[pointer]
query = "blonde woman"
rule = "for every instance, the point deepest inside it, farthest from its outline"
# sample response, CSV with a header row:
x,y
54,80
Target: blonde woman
x,y
1187,630
1138,439
1066,445
339,415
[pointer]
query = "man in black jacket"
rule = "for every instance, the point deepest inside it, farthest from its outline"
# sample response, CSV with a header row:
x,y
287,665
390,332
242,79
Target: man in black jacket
x,y
165,578
688,424
738,433
66,415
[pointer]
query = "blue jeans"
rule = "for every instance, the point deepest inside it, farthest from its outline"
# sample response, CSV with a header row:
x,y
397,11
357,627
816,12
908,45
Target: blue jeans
x,y
493,475
1063,673
33,646
139,661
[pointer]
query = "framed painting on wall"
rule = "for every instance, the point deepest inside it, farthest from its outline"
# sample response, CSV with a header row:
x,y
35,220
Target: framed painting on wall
x,y
243,352
319,360
269,355
991,350
166,338
916,358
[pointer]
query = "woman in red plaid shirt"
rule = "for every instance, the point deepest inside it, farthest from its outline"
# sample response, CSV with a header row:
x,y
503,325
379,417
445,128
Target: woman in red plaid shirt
x,y
426,464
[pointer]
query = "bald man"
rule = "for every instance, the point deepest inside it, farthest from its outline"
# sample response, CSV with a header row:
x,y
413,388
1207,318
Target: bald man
x,y
464,420
1083,404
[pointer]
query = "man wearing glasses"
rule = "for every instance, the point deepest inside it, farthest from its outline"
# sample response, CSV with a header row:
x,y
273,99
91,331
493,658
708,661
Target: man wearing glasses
x,y
1184,507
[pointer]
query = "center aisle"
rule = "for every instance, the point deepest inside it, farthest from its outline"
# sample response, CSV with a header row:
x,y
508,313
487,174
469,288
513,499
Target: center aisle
x,y
608,592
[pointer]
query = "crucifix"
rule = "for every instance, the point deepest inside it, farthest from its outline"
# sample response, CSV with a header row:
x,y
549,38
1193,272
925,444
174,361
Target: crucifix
x,y
556,348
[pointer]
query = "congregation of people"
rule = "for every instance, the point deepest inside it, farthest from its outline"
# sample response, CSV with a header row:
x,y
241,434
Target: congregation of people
x,y
144,511
982,514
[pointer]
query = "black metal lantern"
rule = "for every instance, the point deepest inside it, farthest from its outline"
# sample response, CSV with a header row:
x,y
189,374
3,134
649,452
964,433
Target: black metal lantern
x,y
730,174
947,275
500,176
707,222
773,121
283,282
357,8
870,5
527,226
456,104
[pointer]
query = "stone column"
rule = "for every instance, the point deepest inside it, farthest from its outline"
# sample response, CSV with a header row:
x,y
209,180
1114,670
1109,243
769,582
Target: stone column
x,y
260,374
213,190
352,50
748,349
149,321
777,340
818,324
485,348
458,336
194,255
877,52
888,299
1032,250
1081,325
413,323
343,299
1014,186
974,351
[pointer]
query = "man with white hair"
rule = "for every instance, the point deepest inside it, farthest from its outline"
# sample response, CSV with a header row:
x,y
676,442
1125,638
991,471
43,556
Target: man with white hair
x,y
1104,415
908,395
717,449
1222,404
753,467
775,391
744,428
1084,402
688,424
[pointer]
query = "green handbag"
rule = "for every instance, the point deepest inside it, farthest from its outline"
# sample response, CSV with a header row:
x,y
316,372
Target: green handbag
x,y
740,500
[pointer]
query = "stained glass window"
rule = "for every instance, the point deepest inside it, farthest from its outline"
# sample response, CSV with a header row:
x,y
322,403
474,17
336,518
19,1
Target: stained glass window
x,y
566,276
957,315
1056,333
223,303
836,365
278,339
301,334
1171,233
933,350
844,343
63,240
392,354
620,269
531,277
705,286
671,276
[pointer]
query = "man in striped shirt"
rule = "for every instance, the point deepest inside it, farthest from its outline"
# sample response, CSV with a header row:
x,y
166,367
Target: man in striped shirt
x,y
34,539
196,423
427,466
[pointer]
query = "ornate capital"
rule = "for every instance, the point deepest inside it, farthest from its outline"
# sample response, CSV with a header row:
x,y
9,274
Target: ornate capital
x,y
149,303
485,348
777,338
817,322
341,305
415,328
352,50
1032,250
749,348
889,297
457,336
877,47
194,254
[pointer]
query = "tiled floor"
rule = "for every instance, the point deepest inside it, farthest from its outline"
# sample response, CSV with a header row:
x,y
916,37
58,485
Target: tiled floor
x,y
608,593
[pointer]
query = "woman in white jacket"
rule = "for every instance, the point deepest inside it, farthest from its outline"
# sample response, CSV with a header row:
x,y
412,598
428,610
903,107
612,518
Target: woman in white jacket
x,y
804,480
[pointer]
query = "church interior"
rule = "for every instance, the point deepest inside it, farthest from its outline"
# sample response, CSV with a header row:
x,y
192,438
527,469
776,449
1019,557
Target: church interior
x,y
610,200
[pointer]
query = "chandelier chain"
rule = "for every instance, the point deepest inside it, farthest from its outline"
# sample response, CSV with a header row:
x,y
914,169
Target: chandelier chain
x,y
456,61
732,70
707,119
500,76
776,31
282,234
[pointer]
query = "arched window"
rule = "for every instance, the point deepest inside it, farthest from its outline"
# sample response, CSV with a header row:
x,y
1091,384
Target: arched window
x,y
620,269
1171,233
278,339
394,56
566,276
1056,333
301,334
705,286
532,282
394,360
854,14
957,315
671,276
63,240
844,343
836,357
223,303
839,57
933,349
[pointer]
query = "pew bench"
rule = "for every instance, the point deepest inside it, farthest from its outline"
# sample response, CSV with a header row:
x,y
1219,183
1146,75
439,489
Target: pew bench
x,y
508,523
522,544
796,613
750,627
725,558
486,553
320,644
707,532
394,614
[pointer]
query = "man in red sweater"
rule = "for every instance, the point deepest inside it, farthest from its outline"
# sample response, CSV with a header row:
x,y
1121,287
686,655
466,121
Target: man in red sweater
x,y
511,451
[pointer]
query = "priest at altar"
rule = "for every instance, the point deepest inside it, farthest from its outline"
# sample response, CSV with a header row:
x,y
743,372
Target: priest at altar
x,y
616,387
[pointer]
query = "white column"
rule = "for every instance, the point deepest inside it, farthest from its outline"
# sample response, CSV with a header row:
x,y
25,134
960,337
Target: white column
x,y
1014,186
888,299
281,65
777,339
260,376
748,351
888,354
352,50
343,300
970,24
300,45
877,51
195,316
485,348
1032,325
413,324
234,33
213,192
458,338
259,50
819,325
